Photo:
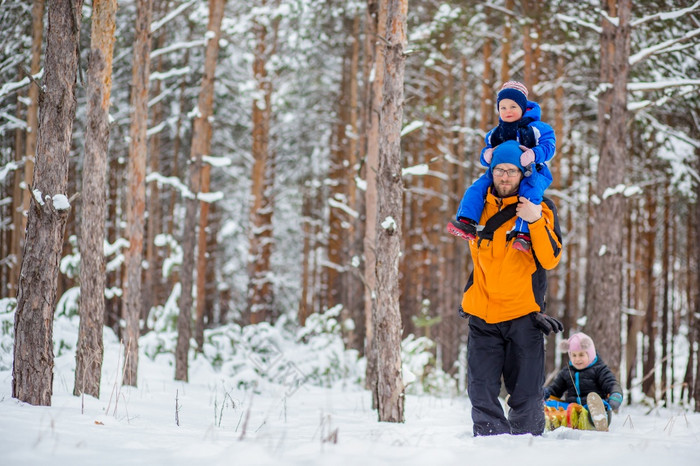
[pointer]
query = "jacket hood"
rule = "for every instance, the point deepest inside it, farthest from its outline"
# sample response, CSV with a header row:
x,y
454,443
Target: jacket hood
x,y
533,111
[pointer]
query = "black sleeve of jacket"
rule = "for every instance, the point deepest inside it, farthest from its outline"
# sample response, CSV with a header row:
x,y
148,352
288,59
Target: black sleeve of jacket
x,y
608,382
557,229
559,385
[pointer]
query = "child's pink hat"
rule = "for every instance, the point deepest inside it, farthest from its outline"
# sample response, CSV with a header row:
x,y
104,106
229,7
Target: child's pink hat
x,y
579,342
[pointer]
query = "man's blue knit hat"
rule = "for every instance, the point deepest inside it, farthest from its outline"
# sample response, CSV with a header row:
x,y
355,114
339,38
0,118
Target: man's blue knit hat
x,y
515,91
507,152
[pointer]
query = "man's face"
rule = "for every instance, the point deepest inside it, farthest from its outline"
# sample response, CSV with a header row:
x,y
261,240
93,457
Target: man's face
x,y
506,179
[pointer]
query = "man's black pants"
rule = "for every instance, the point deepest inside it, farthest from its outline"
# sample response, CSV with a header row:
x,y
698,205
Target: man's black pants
x,y
515,350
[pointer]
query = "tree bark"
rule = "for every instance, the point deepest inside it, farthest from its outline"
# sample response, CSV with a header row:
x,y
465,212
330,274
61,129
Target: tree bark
x,y
305,304
152,277
260,291
203,141
605,251
90,349
32,372
506,44
487,103
18,220
390,388
136,194
376,27
648,380
201,144
666,283
32,131
695,389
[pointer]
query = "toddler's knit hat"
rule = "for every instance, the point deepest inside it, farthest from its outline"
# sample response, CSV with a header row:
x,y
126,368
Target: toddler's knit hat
x,y
515,91
579,342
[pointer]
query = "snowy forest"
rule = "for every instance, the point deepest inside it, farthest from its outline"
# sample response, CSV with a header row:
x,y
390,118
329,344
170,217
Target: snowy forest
x,y
192,175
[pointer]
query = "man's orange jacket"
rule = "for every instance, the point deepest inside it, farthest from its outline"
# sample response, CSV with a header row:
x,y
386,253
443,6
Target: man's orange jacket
x,y
507,283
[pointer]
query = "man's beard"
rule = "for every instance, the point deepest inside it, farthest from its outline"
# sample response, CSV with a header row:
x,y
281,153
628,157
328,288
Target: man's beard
x,y
507,191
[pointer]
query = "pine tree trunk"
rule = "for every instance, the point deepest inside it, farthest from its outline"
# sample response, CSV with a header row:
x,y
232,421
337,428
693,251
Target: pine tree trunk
x,y
649,366
201,145
487,102
260,291
18,220
115,276
152,281
306,291
136,194
32,372
433,212
695,389
687,390
337,195
206,104
390,388
32,131
354,306
90,349
605,250
376,27
666,284
177,144
506,44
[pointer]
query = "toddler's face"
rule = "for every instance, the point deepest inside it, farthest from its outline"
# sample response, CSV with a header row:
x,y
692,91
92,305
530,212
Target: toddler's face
x,y
509,111
579,359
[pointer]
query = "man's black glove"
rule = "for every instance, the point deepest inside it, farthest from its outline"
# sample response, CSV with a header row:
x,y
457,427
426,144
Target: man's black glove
x,y
546,324
547,393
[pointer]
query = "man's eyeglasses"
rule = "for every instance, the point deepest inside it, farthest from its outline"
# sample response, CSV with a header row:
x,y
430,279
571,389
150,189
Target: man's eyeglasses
x,y
500,172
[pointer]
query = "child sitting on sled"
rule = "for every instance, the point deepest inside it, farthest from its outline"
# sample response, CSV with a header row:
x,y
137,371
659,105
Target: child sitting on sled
x,y
586,385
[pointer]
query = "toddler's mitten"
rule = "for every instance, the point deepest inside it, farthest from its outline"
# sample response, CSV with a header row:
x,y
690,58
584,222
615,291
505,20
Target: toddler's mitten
x,y
615,400
488,155
527,157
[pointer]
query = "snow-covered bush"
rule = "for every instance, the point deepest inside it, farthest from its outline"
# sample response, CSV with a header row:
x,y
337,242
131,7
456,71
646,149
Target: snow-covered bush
x,y
420,371
163,321
7,332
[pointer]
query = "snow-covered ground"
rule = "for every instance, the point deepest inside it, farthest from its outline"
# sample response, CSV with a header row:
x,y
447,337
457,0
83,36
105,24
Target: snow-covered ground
x,y
220,423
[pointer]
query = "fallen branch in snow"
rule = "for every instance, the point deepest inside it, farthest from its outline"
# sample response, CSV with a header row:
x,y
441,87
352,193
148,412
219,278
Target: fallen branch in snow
x,y
177,410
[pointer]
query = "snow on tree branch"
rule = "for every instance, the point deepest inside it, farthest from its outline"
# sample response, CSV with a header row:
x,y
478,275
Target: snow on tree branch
x,y
165,19
656,85
344,207
177,47
5,169
662,47
12,86
412,126
155,76
16,122
580,22
666,16
633,106
216,161
184,190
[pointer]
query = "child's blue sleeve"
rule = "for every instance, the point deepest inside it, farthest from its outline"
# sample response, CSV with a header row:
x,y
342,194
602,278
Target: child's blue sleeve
x,y
472,204
546,141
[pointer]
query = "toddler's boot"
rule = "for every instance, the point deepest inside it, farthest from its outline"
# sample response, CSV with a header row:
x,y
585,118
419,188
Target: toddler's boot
x,y
522,242
596,408
463,228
